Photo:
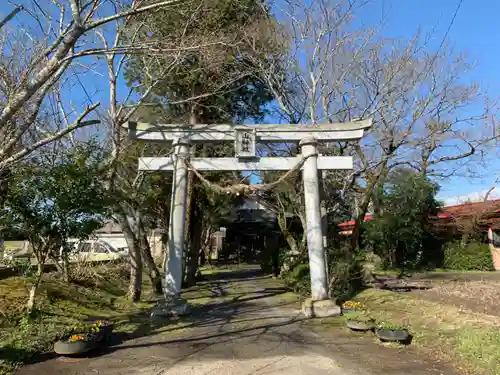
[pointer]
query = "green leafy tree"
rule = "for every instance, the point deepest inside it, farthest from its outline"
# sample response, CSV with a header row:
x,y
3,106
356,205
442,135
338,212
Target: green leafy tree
x,y
401,234
51,201
211,81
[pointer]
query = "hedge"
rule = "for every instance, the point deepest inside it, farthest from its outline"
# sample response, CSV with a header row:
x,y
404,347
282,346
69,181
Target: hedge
x,y
474,256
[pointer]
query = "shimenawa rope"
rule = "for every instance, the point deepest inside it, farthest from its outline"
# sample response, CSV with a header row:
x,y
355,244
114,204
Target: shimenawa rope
x,y
245,189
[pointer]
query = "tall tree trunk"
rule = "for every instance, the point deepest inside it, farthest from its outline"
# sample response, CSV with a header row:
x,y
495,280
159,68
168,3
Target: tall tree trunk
x,y
206,246
135,259
30,306
62,266
360,217
148,260
193,253
189,247
40,257
291,241
62,262
65,265
4,177
379,190
289,238
127,223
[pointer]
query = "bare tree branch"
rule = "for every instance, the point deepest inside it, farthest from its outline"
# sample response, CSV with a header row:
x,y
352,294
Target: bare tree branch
x,y
11,15
132,12
78,123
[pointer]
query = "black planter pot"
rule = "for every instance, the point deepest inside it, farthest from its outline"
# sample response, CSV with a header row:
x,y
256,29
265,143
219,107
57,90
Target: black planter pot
x,y
357,325
393,335
105,333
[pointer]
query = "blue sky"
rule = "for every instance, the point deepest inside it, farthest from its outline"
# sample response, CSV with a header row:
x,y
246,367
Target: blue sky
x,y
473,31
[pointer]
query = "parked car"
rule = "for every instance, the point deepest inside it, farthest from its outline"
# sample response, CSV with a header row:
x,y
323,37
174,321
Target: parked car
x,y
95,251
22,251
86,250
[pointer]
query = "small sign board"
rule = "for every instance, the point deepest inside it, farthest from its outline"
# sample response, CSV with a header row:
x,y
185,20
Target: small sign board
x,y
244,143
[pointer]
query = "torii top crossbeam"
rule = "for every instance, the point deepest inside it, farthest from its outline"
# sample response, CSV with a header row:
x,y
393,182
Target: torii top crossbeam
x,y
263,132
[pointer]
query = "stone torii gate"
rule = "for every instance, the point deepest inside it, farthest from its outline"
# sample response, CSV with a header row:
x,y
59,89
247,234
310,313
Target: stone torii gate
x,y
245,138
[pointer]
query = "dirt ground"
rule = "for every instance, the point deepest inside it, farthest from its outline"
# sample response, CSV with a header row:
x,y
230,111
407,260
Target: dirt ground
x,y
474,292
257,331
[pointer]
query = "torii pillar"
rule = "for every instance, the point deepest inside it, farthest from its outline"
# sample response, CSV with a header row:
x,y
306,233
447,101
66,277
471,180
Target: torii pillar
x,y
317,266
177,220
319,304
174,304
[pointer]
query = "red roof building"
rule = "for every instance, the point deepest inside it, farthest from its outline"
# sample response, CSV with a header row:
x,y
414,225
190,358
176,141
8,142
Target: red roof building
x,y
482,217
487,214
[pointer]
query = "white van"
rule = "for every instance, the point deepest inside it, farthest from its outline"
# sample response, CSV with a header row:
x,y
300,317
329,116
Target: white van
x,y
94,251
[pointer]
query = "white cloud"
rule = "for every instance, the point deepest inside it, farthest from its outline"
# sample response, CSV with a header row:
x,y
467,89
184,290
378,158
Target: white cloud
x,y
477,196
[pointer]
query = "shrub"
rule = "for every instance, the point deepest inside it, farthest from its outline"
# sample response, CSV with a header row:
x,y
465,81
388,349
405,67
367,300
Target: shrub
x,y
345,272
269,259
474,256
298,279
400,233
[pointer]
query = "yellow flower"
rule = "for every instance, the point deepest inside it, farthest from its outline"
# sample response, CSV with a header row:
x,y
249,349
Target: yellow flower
x,y
352,305
74,338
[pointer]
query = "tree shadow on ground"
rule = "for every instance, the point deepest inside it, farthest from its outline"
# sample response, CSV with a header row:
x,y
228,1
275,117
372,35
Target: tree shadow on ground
x,y
216,339
141,325
11,357
206,315
236,275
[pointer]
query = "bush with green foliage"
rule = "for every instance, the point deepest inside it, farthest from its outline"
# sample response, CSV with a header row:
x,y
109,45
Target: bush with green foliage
x,y
474,256
345,274
299,279
402,234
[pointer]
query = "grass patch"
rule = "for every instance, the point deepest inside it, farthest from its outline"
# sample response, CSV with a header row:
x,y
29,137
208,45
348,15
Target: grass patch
x,y
445,270
59,307
209,270
481,347
394,273
469,340
99,292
